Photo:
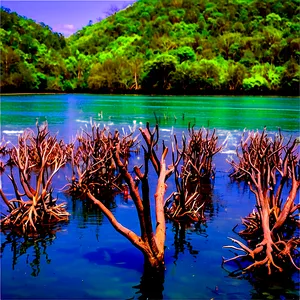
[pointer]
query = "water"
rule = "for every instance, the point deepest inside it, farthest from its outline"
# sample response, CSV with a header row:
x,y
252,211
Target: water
x,y
87,259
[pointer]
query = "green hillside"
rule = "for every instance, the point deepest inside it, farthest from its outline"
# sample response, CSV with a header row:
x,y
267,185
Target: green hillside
x,y
32,56
166,46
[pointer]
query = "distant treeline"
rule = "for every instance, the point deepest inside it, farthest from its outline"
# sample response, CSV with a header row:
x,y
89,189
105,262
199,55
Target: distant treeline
x,y
160,46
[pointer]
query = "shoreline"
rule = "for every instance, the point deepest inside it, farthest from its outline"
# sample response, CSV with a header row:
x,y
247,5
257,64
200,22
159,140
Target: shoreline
x,y
30,94
153,95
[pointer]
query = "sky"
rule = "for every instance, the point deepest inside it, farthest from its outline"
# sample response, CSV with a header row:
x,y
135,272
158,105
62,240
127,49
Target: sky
x,y
67,16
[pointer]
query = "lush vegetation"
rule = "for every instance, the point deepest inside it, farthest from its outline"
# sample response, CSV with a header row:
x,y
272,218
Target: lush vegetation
x,y
172,46
32,56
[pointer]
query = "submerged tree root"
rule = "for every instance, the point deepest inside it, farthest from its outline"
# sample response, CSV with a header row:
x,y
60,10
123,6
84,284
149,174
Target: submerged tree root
x,y
273,255
193,183
27,218
32,164
270,229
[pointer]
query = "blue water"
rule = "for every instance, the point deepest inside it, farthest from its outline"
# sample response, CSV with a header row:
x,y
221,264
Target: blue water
x,y
86,258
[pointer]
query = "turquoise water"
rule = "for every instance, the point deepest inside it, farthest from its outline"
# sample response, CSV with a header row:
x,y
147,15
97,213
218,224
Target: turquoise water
x,y
87,259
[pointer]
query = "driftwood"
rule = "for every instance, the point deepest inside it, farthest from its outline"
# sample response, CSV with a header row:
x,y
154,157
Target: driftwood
x,y
32,165
268,166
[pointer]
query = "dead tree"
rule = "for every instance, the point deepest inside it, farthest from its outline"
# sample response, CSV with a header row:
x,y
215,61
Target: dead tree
x,y
93,165
32,165
3,147
202,146
3,154
188,202
268,166
99,155
150,241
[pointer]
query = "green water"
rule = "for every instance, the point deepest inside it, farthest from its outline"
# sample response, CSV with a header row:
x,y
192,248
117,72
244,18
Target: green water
x,y
214,112
88,259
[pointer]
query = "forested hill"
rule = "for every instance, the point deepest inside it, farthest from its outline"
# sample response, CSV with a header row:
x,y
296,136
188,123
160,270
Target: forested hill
x,y
31,55
172,46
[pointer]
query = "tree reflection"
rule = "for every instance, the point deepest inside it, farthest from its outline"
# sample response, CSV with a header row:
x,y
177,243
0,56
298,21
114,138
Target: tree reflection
x,y
86,212
180,228
275,286
180,241
35,248
151,285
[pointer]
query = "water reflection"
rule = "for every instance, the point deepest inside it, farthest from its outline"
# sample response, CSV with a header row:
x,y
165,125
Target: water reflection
x,y
180,230
124,259
151,285
33,248
276,286
86,213
66,113
181,242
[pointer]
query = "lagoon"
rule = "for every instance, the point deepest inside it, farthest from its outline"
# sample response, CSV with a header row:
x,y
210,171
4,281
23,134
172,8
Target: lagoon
x,y
86,258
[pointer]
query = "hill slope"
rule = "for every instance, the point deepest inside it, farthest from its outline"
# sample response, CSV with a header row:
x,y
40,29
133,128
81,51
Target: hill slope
x,y
195,46
187,46
31,55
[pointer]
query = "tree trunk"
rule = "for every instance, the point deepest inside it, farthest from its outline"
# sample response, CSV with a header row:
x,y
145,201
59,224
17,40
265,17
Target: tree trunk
x,y
136,82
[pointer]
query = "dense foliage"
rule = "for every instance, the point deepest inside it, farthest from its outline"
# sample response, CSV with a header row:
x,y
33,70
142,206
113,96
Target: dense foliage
x,y
32,56
173,46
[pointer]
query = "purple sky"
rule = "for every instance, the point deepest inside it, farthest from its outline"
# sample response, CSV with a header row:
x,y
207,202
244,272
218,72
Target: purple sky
x,y
64,16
